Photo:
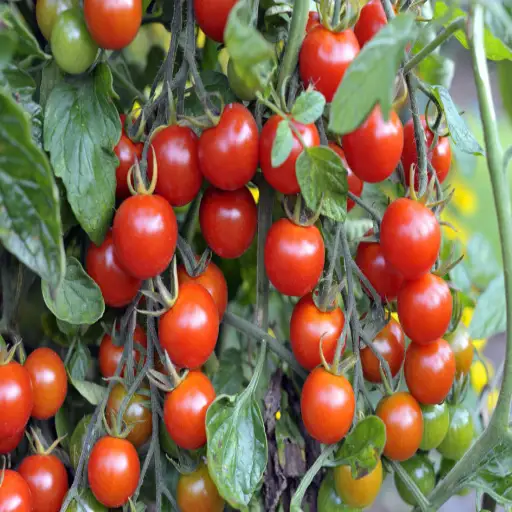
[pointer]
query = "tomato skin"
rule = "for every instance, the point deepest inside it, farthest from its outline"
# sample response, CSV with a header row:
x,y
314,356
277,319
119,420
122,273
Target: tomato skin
x,y
185,410
371,19
390,343
462,347
212,17
113,471
407,223
113,24
327,405
228,221
9,444
460,433
47,12
47,479
283,178
16,399
425,308
117,287
313,21
436,419
196,492
359,493
308,326
189,330
127,155
294,257
15,493
401,414
421,471
145,232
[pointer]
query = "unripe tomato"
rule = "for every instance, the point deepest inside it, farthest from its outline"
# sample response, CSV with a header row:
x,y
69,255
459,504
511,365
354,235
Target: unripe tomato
x,y
422,473
213,16
425,308
460,433
15,493
327,406
237,85
196,492
371,19
462,347
436,419
9,444
126,152
294,257
47,12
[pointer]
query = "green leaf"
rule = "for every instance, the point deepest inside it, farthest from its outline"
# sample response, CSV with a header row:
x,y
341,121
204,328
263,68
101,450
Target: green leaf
x,y
29,204
50,77
283,143
78,299
308,107
79,363
77,440
505,82
81,128
437,69
229,378
323,181
490,315
63,426
370,78
480,261
92,392
8,43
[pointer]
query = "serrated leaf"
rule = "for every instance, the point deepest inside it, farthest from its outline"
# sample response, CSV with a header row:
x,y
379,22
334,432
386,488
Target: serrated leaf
x,y
78,365
490,315
283,143
92,392
308,107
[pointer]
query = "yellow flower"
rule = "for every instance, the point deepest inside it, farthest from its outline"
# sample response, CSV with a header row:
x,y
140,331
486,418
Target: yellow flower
x,y
492,400
464,199
480,374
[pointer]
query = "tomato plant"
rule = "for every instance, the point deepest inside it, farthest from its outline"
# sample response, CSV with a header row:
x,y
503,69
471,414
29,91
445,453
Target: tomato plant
x,y
460,433
355,185
421,470
359,492
436,419
196,491
15,493
371,19
47,12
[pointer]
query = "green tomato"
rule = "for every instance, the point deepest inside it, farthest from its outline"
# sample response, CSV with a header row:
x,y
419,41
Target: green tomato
x,y
76,443
436,420
88,503
73,48
460,433
47,12
328,499
421,470
445,468
237,85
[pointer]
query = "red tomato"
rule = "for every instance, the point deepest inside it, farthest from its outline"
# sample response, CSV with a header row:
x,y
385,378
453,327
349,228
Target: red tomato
x,y
228,152
283,178
429,371
117,287
113,24
16,399
47,479
189,330
410,237
213,16
113,471
425,308
327,405
145,232
179,175
185,410
228,221
313,21
9,444
15,493
324,58
127,155
402,417
371,19
390,343
309,326
294,257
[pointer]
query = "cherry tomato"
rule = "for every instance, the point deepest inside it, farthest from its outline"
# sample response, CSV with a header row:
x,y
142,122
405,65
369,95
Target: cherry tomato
x,y
409,224
355,185
425,308
422,473
390,343
16,399
145,232
462,347
309,326
460,433
212,17
213,280
324,58
196,492
113,24
47,12
294,257
113,471
228,221
382,276
327,405
228,152
9,444
88,503
127,155
185,410
137,416
373,149
179,174
401,414
283,178
359,493
371,19
313,21
73,48
328,499
47,479
237,84
436,420
111,354
15,493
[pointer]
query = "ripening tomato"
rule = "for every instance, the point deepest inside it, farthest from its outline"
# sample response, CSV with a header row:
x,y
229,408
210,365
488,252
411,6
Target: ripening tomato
x,y
47,479
294,257
410,237
390,343
113,471
9,444
324,57
371,19
327,406
196,492
228,221
47,12
179,176
310,327
185,410
313,21
421,471
460,433
283,177
113,24
213,16
462,347
145,232
402,417
373,149
425,308
15,493
189,330
436,420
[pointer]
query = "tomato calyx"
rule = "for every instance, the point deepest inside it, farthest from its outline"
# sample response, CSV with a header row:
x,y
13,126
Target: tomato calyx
x,y
346,18
171,380
299,213
163,297
194,265
138,185
37,445
7,355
